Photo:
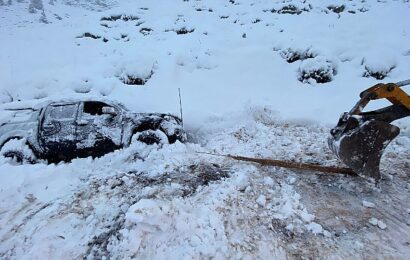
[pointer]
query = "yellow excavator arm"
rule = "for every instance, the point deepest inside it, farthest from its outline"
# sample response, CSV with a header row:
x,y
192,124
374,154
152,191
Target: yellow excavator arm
x,y
390,91
360,138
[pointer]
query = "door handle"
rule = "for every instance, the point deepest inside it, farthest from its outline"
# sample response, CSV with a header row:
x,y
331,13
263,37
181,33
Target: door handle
x,y
48,127
82,122
51,128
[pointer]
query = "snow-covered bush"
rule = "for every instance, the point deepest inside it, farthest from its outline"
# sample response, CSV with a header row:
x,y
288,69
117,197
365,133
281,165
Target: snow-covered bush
x,y
292,55
317,69
123,17
336,8
35,5
378,66
135,78
291,9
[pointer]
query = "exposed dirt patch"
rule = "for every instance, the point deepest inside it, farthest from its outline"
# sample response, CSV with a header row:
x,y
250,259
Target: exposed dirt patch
x,y
89,35
187,178
184,30
336,8
204,9
337,203
190,177
98,246
257,20
145,31
363,10
290,9
122,17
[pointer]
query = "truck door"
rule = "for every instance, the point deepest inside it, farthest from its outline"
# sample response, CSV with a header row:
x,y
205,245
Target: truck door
x,y
99,127
58,128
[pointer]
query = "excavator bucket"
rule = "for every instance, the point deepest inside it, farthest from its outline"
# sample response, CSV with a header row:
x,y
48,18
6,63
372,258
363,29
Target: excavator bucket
x,y
359,138
362,146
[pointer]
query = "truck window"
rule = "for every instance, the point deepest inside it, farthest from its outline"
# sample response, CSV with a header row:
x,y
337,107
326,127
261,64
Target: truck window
x,y
93,107
63,111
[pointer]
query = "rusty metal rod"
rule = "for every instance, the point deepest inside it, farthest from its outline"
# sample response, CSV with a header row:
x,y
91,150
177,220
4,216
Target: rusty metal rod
x,y
403,83
289,164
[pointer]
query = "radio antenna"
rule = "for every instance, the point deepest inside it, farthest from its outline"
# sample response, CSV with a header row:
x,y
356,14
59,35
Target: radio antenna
x,y
180,106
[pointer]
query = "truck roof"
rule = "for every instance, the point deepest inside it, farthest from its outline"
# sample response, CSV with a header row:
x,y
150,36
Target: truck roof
x,y
36,105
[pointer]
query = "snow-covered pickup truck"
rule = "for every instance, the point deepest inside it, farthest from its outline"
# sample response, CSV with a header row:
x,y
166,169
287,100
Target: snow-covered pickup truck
x,y
61,131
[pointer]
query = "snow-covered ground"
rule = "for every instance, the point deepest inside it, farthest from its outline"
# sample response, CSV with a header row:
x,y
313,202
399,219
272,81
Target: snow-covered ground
x,y
249,73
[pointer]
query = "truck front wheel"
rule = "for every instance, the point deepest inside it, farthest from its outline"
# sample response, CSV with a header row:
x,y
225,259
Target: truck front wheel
x,y
150,137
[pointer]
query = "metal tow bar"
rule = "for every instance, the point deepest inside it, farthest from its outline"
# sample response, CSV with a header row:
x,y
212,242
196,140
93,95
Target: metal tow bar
x,y
288,164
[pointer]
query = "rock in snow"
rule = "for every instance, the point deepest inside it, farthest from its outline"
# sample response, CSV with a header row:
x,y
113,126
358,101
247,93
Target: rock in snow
x,y
268,181
261,200
368,204
373,221
378,223
381,224
315,228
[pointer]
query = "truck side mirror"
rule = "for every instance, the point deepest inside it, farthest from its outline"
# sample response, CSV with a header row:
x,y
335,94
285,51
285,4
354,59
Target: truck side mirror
x,y
109,111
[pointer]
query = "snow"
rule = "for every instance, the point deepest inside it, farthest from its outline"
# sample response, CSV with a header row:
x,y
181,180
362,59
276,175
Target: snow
x,y
204,63
368,204
381,224
245,70
268,181
21,147
315,228
261,200
373,221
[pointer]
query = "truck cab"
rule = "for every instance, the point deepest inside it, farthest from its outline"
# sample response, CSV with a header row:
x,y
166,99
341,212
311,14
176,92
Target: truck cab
x,y
69,129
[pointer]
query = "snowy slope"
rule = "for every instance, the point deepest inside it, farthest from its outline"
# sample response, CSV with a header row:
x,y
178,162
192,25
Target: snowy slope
x,y
245,71
211,64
